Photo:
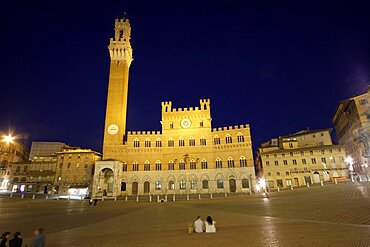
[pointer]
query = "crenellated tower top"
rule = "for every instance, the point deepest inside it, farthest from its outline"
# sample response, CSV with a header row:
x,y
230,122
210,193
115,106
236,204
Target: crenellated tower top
x,y
120,47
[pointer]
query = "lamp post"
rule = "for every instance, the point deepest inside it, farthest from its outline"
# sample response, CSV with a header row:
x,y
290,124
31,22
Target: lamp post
x,y
349,160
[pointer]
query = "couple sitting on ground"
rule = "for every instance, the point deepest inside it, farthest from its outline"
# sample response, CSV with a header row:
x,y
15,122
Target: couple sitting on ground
x,y
207,226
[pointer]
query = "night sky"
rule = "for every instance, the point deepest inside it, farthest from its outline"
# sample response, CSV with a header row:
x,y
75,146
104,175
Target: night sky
x,y
280,66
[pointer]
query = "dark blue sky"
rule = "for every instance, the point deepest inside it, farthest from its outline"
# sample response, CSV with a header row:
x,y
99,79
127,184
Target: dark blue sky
x,y
280,66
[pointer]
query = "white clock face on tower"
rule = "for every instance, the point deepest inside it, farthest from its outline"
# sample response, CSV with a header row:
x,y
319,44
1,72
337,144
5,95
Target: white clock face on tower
x,y
112,129
185,123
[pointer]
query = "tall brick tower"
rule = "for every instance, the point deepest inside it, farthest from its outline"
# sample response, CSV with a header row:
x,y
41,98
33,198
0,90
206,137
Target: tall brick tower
x,y
121,57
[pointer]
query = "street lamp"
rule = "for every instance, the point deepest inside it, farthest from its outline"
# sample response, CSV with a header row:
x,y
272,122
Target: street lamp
x,y
261,185
349,160
8,139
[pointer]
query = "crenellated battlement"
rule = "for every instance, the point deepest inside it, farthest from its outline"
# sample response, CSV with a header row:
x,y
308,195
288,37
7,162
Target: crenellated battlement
x,y
167,106
124,19
119,46
204,106
205,101
235,127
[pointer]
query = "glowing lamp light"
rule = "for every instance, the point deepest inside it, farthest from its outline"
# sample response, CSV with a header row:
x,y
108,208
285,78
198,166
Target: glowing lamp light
x,y
349,159
22,188
258,187
261,185
8,139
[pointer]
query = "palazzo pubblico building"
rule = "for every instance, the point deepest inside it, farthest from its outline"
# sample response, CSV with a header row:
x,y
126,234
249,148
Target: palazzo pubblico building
x,y
187,156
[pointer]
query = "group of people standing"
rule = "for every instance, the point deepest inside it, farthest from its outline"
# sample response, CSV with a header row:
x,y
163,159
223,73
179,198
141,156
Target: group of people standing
x,y
208,226
7,240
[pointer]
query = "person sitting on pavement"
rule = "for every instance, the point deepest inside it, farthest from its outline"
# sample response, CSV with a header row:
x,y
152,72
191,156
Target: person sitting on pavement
x,y
16,241
210,225
198,225
39,239
4,238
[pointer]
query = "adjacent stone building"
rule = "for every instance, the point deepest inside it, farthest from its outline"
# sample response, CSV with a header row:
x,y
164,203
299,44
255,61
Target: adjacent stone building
x,y
187,156
75,170
305,157
11,150
352,125
55,168
36,174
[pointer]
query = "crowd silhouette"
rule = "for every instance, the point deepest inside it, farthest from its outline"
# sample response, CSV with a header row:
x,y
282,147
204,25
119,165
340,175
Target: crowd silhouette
x,y
15,240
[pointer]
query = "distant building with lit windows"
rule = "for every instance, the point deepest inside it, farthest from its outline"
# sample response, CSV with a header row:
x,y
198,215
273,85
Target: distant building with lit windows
x,y
74,171
306,157
37,173
352,125
187,156
10,152
55,168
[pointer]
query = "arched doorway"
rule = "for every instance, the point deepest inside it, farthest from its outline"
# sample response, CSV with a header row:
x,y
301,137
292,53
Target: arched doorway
x,y
146,187
135,188
106,181
335,174
316,177
232,185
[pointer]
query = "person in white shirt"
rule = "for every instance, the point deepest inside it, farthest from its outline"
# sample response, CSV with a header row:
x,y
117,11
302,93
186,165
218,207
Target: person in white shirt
x,y
210,225
198,225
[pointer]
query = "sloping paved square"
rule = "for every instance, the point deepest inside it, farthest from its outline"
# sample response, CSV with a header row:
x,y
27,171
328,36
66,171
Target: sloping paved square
x,y
333,215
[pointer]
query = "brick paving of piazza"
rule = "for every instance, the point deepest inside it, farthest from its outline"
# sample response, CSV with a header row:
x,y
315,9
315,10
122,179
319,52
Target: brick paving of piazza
x,y
333,215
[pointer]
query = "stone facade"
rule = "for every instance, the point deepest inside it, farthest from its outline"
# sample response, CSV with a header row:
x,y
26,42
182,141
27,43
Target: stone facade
x,y
75,170
54,169
302,158
36,175
38,172
352,125
10,152
120,52
186,156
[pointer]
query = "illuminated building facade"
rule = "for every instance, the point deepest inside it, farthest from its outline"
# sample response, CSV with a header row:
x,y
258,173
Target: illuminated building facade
x,y
10,152
74,171
305,157
187,156
37,173
55,168
352,125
